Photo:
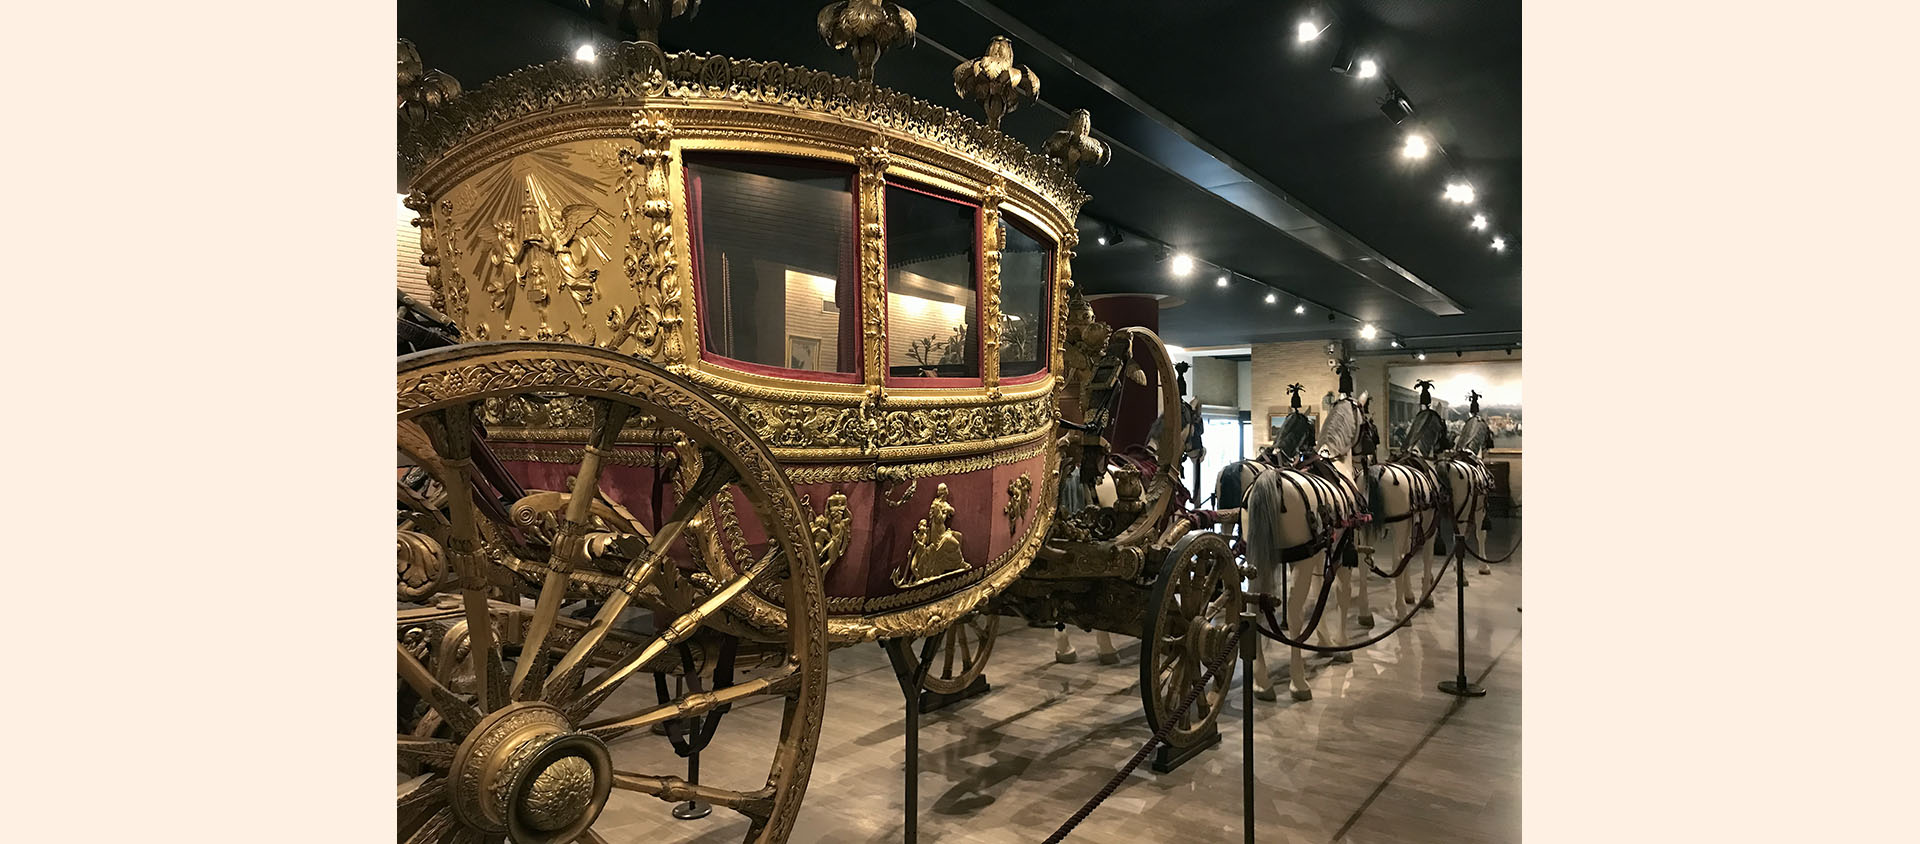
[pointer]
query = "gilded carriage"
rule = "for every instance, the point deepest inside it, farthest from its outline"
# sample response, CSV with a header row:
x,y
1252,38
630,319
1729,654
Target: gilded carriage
x,y
771,357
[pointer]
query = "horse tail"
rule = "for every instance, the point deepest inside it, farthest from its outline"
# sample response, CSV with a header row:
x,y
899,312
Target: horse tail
x,y
1260,518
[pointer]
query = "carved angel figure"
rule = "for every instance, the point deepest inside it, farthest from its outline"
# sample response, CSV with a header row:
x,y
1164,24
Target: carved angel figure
x,y
1076,145
868,28
830,529
995,81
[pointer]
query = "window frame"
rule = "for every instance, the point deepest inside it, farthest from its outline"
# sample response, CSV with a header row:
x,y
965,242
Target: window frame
x,y
696,260
908,382
1043,343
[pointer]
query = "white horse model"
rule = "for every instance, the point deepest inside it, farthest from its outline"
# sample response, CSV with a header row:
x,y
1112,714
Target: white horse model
x,y
1469,482
1406,489
1293,514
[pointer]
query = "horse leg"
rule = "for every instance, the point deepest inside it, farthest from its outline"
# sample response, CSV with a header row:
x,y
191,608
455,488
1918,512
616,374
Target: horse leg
x,y
1342,598
1426,567
1103,646
1480,535
1397,550
1296,617
1366,567
1262,675
1063,651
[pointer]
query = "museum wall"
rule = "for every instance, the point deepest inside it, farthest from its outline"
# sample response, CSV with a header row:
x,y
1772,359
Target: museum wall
x,y
1370,376
1215,382
1275,365
412,276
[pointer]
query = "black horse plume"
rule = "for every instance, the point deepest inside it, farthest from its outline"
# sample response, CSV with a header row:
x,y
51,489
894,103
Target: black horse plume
x,y
1294,391
1426,392
1345,368
1473,402
1180,375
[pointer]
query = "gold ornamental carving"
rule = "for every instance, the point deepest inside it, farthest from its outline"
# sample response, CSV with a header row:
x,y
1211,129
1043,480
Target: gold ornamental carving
x,y
1076,145
654,322
936,547
865,28
1018,490
830,529
994,239
995,82
873,264
639,72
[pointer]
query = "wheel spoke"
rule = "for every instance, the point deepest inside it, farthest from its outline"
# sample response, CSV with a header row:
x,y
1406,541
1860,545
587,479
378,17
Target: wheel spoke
x,y
608,418
754,804
715,474
422,789
699,703
946,668
675,633
454,711
451,434
436,826
433,753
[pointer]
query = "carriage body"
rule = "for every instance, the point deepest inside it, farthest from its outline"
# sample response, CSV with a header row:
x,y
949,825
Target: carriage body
x,y
874,285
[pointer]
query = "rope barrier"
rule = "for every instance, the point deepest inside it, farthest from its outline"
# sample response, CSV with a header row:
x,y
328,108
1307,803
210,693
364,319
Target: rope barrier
x,y
1159,735
1509,556
1404,620
1412,549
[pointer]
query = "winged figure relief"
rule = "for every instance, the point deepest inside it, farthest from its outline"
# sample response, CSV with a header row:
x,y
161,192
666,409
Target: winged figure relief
x,y
550,256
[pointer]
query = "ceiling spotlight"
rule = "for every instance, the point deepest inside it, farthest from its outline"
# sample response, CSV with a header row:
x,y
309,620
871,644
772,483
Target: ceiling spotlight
x,y
1499,244
1394,343
1271,299
1480,222
585,53
1396,107
1460,192
1368,332
1299,309
1419,355
1102,240
1306,31
1368,69
1416,147
1182,264
1221,281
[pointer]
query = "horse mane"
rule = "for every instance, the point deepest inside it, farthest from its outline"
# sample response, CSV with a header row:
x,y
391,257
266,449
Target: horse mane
x,y
1427,433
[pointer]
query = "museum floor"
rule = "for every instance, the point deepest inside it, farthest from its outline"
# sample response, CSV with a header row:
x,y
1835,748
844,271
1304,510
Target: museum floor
x,y
1379,756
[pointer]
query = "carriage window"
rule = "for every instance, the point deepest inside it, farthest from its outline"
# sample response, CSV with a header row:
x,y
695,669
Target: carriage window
x,y
1023,302
774,259
932,297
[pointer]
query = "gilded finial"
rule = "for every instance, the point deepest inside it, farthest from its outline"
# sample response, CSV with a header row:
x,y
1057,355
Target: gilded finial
x,y
867,28
422,90
1076,145
641,18
995,81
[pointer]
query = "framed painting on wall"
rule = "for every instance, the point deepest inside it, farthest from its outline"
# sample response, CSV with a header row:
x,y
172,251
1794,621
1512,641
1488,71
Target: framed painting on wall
x,y
803,353
1497,382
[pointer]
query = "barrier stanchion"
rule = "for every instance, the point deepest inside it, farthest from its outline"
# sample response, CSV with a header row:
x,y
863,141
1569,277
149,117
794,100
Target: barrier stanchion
x,y
1459,685
1247,644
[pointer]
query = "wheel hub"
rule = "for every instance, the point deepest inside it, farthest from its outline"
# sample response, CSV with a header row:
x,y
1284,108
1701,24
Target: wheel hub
x,y
524,771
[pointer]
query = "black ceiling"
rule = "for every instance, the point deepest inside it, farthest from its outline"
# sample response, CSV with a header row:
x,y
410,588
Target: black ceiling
x,y
1233,142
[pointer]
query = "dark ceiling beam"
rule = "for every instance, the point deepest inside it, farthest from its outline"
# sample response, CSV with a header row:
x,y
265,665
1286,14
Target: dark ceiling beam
x,y
1180,151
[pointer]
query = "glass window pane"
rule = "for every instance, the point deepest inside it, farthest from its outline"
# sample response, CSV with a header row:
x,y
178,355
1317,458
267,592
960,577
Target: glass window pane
x,y
774,259
932,292
1024,264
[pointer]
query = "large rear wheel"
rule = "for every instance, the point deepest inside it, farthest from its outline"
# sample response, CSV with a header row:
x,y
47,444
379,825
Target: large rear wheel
x,y
533,752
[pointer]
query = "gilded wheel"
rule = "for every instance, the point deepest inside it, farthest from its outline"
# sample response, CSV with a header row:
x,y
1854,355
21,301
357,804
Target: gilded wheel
x,y
964,653
1192,610
536,747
